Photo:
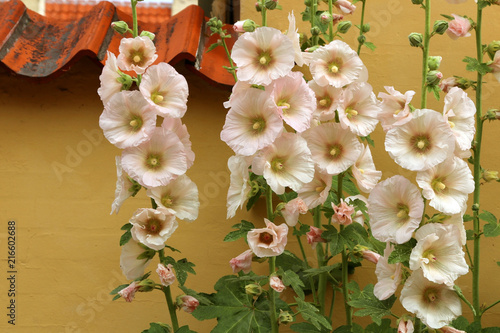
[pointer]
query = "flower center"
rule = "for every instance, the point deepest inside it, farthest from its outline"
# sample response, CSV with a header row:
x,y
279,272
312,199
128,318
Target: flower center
x,y
136,59
325,102
438,185
264,59
258,125
403,211
421,143
431,295
156,97
167,201
350,112
153,226
153,161
336,151
429,255
397,112
334,66
361,170
320,189
285,105
452,124
266,238
135,124
277,164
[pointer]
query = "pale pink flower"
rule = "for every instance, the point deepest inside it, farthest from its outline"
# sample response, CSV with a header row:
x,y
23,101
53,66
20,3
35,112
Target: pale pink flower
x,y
152,227
388,275
449,329
337,64
127,120
345,6
175,125
166,274
371,256
316,192
435,304
276,283
179,197
458,27
239,187
189,303
294,99
238,26
458,221
123,187
156,162
364,171
243,262
294,37
166,90
132,267
333,148
448,83
240,88
269,241
314,237
447,185
396,208
459,111
136,54
359,109
406,326
495,65
252,123
421,143
343,213
287,162
327,101
292,210
263,55
438,253
395,108
109,79
128,293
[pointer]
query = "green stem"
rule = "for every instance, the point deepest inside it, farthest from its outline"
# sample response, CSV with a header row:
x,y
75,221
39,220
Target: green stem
x,y
361,24
477,172
332,303
264,13
306,265
465,300
269,204
490,306
272,310
230,60
320,254
425,60
135,30
312,8
330,26
345,280
171,308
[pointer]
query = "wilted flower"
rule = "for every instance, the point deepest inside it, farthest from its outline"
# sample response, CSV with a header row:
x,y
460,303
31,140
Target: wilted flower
x,y
292,209
136,54
243,262
448,83
364,171
294,37
152,227
239,189
128,293
188,303
458,27
276,283
314,237
124,187
109,78
343,213
269,241
166,274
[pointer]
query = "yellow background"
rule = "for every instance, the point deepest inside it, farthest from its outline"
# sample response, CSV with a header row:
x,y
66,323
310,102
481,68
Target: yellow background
x,y
58,180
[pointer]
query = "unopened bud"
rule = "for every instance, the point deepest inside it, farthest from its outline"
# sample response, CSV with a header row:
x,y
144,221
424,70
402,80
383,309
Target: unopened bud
x,y
415,39
417,2
326,17
493,114
440,27
343,27
365,27
312,49
148,34
120,26
464,83
285,317
258,7
492,48
315,31
253,289
433,77
308,3
280,206
361,39
439,218
249,26
434,62
489,176
271,4
146,285
475,207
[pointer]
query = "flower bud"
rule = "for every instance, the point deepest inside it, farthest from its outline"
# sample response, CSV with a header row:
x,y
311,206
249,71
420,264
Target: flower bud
x,y
312,49
253,289
187,303
440,27
489,176
434,62
285,317
315,31
493,114
415,39
326,17
344,27
249,26
417,2
448,83
464,83
146,285
475,207
365,27
366,253
271,4
308,3
258,7
120,26
361,39
492,48
433,77
148,34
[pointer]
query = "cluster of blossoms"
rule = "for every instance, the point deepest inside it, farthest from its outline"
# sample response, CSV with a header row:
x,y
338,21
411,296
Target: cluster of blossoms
x,y
153,157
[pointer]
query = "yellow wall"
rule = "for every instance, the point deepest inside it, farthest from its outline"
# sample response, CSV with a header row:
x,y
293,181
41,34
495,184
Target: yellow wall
x,y
67,243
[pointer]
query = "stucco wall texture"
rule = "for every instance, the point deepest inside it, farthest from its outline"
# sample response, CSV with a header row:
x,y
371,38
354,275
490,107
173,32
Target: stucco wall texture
x,y
57,174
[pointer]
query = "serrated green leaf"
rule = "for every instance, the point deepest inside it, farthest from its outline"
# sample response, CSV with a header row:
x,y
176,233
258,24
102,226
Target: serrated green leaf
x,y
384,327
200,297
492,229
402,253
182,267
473,65
290,278
469,234
288,260
347,184
211,47
488,217
117,289
323,269
303,229
158,328
307,328
368,304
172,249
242,230
310,313
474,327
184,329
372,47
460,323
491,330
467,218
148,254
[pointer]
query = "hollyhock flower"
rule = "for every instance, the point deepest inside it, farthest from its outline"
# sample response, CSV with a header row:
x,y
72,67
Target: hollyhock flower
x,y
364,170
421,143
240,88
448,83
294,99
156,162
292,210
388,275
128,293
263,55
328,98
152,227
238,26
435,304
337,64
438,253
345,6
316,192
395,108
343,213
243,262
175,125
371,256
287,162
359,109
459,111
166,274
333,148
239,188
447,185
276,283
123,187
179,197
458,27
458,221
358,216
396,208
406,326
252,123
109,79
166,90
136,54
188,303
132,267
449,329
127,120
314,237
495,65
294,37
269,241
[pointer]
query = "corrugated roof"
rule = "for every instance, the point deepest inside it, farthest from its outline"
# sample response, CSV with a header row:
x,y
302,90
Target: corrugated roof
x,y
35,46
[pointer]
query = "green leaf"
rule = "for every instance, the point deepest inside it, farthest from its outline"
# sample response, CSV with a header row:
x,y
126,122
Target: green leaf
x,y
304,229
306,15
467,218
117,289
181,267
347,185
498,263
460,323
157,328
481,4
211,47
290,278
368,304
127,235
307,328
287,196
473,65
184,329
474,327
384,327
241,231
448,17
372,47
488,217
148,254
126,226
469,234
402,253
368,138
491,330
310,313
172,249
317,271
492,229
200,297
288,260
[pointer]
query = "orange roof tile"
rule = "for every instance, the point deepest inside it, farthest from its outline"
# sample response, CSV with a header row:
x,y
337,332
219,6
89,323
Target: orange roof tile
x,y
36,46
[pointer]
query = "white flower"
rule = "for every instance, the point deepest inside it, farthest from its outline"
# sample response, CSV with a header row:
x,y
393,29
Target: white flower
x,y
388,275
109,79
239,188
123,187
316,192
439,253
294,37
292,210
395,109
435,304
364,171
459,111
132,267
152,227
136,54
175,125
328,99
269,241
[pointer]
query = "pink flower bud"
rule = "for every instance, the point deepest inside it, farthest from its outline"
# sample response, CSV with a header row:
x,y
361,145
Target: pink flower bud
x,y
448,329
343,213
459,27
276,283
243,262
238,26
345,6
167,276
371,256
314,237
128,293
189,303
405,326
